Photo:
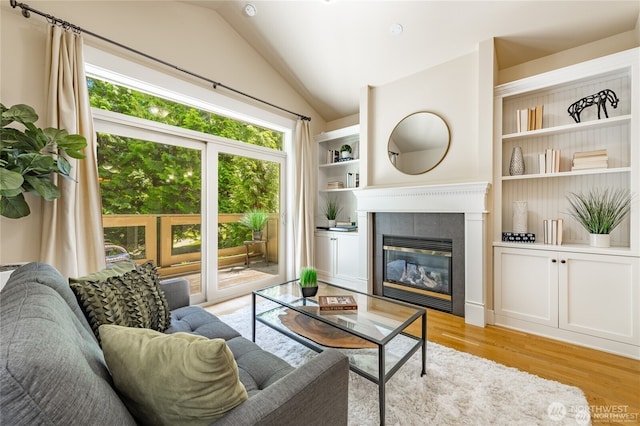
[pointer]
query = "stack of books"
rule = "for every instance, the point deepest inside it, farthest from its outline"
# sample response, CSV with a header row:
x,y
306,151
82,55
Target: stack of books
x,y
529,119
337,304
336,184
590,160
549,162
333,156
553,231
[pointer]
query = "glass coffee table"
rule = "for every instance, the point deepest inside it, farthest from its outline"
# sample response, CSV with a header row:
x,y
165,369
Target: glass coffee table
x,y
374,336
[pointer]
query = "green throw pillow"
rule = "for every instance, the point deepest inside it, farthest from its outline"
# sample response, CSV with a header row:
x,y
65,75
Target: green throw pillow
x,y
172,379
127,295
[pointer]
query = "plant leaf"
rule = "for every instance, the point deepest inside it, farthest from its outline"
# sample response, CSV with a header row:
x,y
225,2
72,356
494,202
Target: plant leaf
x,y
44,187
72,145
21,113
10,180
14,207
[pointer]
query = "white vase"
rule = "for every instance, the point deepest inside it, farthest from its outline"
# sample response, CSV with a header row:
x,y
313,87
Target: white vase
x,y
332,223
599,240
519,217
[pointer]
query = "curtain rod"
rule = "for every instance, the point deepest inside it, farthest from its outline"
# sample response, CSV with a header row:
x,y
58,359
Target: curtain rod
x,y
26,9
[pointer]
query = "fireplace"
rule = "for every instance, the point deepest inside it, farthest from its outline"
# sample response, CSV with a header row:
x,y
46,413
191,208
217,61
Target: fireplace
x,y
456,211
419,259
418,270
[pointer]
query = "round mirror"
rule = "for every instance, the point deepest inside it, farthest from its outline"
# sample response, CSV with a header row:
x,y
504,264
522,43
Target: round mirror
x,y
418,143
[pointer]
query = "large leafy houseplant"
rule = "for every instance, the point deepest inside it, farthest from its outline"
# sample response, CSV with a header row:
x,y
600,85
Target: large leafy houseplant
x,y
29,156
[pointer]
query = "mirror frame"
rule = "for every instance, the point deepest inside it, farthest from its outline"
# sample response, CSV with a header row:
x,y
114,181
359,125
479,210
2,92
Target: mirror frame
x,y
445,144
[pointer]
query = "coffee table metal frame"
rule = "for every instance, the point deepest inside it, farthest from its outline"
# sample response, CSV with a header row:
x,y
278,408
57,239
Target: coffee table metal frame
x,y
296,302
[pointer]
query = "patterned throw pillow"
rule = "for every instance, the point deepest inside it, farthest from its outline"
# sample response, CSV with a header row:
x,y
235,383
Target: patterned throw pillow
x,y
130,297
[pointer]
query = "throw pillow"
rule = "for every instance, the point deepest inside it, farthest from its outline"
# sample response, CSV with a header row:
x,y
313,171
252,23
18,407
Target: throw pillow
x,y
170,379
127,295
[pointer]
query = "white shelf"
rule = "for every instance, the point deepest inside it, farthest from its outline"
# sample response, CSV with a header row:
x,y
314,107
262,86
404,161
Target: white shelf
x,y
568,174
340,163
569,128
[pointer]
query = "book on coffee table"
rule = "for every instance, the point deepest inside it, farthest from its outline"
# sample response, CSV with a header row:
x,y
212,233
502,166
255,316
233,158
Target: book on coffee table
x,y
337,303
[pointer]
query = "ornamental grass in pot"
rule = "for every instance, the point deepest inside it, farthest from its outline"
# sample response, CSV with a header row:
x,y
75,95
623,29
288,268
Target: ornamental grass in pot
x,y
600,211
255,220
308,281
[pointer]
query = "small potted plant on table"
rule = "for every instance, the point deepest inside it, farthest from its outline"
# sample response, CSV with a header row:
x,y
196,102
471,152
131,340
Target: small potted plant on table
x,y
308,281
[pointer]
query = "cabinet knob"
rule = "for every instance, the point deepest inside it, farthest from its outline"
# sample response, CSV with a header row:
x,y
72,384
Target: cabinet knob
x,y
553,261
563,261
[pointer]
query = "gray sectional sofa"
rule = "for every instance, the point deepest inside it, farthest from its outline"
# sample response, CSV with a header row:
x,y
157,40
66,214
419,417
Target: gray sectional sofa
x,y
54,372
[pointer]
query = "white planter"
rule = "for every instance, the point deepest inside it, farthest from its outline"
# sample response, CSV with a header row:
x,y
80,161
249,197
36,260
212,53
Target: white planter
x,y
332,223
599,240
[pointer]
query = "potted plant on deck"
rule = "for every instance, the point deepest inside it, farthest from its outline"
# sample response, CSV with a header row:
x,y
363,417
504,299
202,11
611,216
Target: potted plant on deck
x,y
331,210
29,156
308,281
599,211
255,220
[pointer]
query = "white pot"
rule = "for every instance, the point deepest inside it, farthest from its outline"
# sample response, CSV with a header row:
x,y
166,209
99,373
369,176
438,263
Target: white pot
x,y
599,240
332,223
345,154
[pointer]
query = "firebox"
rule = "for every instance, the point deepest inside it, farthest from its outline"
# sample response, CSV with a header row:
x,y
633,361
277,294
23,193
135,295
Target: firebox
x,y
418,270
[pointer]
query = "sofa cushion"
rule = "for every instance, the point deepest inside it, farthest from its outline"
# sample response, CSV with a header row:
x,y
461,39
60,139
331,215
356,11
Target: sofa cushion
x,y
52,369
123,296
168,379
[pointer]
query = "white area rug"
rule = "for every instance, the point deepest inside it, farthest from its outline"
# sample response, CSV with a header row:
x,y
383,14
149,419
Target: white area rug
x,y
458,389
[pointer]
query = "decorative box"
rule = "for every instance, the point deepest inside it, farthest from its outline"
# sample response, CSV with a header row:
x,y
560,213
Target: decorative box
x,y
514,237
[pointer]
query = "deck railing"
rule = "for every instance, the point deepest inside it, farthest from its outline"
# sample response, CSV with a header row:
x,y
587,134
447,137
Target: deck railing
x,y
158,244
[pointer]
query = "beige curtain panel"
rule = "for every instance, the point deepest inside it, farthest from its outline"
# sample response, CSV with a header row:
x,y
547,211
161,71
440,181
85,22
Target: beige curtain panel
x,y
72,235
304,193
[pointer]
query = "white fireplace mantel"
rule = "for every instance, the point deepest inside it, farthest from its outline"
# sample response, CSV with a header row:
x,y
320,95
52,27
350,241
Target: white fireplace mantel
x,y
468,198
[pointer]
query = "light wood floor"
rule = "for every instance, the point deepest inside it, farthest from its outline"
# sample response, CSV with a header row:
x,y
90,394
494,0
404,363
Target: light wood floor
x,y
608,381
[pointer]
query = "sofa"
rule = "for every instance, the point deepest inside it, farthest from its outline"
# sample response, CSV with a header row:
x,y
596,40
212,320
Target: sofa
x,y
54,371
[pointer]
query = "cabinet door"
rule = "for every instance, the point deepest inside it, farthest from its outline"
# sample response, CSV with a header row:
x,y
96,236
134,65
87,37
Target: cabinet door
x,y
324,254
347,256
526,285
599,295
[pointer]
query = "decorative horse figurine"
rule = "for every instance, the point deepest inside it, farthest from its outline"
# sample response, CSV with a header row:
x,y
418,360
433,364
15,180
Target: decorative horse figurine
x,y
599,99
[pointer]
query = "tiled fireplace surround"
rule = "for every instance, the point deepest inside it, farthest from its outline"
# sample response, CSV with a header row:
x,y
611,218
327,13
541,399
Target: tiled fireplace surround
x,y
468,199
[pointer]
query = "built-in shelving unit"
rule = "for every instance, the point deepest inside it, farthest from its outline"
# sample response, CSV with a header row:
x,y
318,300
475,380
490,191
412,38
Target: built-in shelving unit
x,y
343,171
574,292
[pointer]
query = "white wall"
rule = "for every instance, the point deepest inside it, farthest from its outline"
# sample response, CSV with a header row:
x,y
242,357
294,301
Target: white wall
x,y
194,38
449,90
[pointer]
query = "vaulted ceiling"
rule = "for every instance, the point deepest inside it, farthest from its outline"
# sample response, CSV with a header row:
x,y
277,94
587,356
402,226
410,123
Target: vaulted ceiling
x,y
329,49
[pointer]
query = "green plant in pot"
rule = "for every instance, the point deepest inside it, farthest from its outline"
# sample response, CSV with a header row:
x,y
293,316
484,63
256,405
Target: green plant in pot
x,y
600,211
308,281
28,158
331,210
255,220
345,151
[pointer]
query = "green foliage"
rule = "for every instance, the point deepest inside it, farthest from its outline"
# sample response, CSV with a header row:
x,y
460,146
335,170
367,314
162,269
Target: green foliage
x,y
308,277
29,156
144,177
332,208
599,211
346,147
255,220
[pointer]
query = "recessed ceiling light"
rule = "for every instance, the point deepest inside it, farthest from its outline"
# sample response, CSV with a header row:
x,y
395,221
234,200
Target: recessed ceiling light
x,y
396,29
250,10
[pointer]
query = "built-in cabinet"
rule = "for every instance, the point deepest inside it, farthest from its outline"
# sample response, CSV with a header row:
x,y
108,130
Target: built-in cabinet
x,y
340,257
572,291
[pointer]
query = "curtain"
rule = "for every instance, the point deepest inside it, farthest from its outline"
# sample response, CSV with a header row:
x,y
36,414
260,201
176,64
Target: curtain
x,y
305,173
72,235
